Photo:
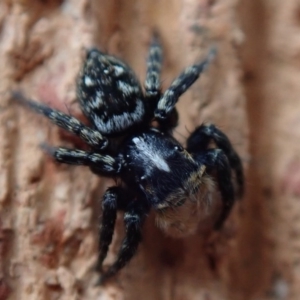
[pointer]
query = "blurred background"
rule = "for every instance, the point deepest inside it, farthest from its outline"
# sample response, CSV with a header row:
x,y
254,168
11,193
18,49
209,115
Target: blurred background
x,y
50,212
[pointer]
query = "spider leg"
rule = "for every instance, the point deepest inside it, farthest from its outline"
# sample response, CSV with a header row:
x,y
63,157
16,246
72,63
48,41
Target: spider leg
x,y
170,122
134,217
180,85
154,63
199,141
110,203
153,86
103,164
215,159
69,123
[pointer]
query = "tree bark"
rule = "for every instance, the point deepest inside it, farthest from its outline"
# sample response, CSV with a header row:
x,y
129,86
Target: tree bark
x,y
50,212
269,239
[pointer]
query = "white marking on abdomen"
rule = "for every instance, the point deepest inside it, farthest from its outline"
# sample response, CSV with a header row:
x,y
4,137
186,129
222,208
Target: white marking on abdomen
x,y
88,81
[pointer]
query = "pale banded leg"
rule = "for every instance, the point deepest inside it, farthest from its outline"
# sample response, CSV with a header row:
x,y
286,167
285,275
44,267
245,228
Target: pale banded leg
x,y
102,164
154,63
67,122
180,85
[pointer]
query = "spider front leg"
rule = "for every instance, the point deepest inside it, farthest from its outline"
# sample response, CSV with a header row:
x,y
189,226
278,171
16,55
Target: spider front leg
x,y
200,140
216,160
110,205
134,217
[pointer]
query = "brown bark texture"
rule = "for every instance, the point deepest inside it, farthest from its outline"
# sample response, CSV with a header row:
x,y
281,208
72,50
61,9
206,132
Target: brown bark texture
x,y
50,213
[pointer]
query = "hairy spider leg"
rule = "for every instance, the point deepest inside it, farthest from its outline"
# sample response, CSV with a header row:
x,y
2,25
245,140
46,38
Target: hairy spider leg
x,y
199,141
134,218
67,122
170,122
180,85
216,160
115,198
154,64
153,86
104,165
109,214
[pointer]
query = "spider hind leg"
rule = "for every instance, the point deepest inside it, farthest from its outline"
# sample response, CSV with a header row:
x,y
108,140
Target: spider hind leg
x,y
92,137
154,64
180,85
153,86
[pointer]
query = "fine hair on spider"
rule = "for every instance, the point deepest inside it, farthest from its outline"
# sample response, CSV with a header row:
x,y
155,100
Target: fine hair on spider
x,y
153,170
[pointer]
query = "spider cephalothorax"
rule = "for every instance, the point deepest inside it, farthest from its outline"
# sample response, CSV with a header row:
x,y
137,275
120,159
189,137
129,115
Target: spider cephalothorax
x,y
153,170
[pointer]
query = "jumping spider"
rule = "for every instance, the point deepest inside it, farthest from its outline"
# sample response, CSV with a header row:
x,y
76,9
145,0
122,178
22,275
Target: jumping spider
x,y
151,168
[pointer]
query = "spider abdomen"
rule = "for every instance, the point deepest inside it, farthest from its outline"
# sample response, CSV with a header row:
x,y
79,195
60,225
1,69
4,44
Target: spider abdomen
x,y
109,93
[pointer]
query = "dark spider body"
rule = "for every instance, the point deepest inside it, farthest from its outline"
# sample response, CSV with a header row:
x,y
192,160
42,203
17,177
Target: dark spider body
x,y
153,170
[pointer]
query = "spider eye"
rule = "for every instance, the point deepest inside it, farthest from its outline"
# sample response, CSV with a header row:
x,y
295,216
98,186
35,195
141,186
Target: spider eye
x,y
143,179
178,148
143,182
